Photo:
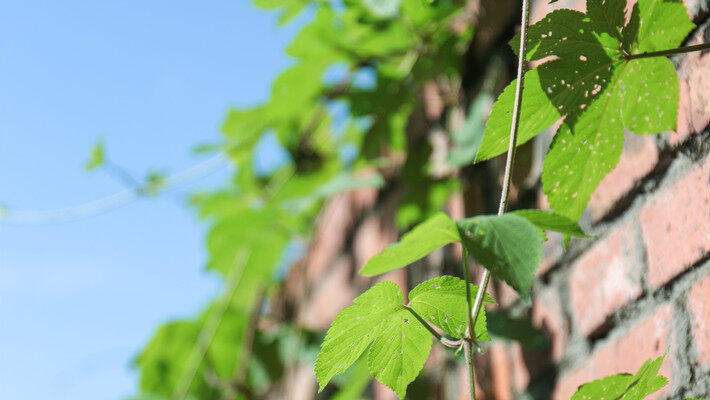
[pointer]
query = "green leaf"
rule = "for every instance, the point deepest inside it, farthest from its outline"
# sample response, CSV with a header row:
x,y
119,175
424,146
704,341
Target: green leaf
x,y
662,25
467,140
508,245
353,388
400,342
355,328
426,237
549,221
399,351
587,80
537,114
625,386
97,157
442,302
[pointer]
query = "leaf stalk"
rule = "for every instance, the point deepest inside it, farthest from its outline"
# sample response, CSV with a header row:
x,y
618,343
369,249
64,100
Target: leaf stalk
x,y
470,330
669,52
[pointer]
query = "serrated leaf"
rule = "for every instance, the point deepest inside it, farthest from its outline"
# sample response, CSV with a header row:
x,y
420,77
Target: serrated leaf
x,y
508,245
662,25
355,328
442,302
399,352
625,386
400,342
588,81
426,237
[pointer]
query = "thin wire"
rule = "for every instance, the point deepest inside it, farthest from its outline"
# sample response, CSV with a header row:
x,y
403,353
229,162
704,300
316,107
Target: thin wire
x,y
111,202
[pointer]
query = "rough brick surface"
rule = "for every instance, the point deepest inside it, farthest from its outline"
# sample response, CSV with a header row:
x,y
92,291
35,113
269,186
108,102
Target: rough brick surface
x,y
694,106
676,225
547,315
699,303
604,279
647,339
639,157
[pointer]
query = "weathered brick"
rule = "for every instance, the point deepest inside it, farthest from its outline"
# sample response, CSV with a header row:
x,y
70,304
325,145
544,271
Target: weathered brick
x,y
647,339
699,303
547,315
604,279
638,159
675,225
694,104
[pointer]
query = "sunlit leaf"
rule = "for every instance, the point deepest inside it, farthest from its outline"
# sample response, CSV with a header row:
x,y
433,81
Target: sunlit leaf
x,y
426,237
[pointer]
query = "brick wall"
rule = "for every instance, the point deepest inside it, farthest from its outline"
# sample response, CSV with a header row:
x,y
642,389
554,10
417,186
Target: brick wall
x,y
638,288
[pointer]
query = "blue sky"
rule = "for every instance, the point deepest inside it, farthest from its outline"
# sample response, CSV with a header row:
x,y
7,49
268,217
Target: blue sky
x,y
79,299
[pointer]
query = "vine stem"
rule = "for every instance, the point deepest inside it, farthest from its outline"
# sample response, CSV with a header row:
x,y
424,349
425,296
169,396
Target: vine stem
x,y
470,331
669,52
482,286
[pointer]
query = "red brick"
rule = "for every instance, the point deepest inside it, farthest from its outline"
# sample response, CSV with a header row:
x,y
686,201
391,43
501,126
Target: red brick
x,y
694,104
638,159
547,315
541,8
433,104
676,225
462,388
699,303
693,7
370,239
500,373
603,279
382,392
552,251
330,294
363,198
505,295
521,375
303,387
648,339
329,237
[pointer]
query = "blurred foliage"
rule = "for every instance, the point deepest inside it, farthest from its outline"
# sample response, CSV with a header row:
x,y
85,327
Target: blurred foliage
x,y
371,59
